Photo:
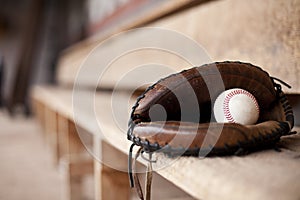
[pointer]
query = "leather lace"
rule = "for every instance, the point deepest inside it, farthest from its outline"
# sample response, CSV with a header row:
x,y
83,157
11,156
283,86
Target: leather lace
x,y
133,175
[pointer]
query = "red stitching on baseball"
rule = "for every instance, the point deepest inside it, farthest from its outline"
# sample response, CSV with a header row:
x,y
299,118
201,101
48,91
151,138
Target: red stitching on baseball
x,y
228,97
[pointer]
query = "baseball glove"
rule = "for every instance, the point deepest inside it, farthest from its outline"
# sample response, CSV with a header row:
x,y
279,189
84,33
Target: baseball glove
x,y
174,115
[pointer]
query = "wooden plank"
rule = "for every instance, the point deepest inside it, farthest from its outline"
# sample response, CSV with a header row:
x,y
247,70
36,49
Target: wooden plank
x,y
44,95
62,133
68,148
80,166
151,11
234,30
50,120
162,9
76,169
261,175
74,55
74,155
114,184
115,177
39,109
227,30
75,145
112,177
97,168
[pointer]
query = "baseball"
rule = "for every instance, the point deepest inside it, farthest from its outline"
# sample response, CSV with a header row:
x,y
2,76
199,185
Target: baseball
x,y
236,106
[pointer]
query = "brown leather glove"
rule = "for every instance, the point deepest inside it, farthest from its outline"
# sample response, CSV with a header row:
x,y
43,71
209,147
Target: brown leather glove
x,y
173,133
174,115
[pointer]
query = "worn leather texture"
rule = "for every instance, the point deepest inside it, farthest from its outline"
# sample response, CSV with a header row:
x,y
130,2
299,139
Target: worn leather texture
x,y
175,114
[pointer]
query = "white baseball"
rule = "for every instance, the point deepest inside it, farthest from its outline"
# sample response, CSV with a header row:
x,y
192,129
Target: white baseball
x,y
236,106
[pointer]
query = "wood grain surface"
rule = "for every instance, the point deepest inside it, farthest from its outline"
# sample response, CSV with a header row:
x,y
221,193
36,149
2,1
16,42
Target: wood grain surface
x,y
265,33
262,175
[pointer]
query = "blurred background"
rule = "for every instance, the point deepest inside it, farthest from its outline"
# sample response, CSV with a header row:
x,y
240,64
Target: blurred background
x,y
33,35
40,41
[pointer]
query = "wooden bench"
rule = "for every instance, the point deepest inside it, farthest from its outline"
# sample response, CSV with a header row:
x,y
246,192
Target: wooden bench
x,y
263,175
227,30
265,34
